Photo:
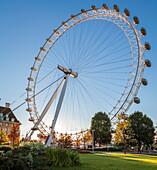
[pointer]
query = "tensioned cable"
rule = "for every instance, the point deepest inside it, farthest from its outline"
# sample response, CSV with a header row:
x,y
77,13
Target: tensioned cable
x,y
91,45
26,92
33,96
88,94
84,101
110,34
85,46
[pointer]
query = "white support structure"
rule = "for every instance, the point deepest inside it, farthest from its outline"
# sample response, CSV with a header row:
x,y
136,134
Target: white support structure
x,y
45,110
67,72
49,139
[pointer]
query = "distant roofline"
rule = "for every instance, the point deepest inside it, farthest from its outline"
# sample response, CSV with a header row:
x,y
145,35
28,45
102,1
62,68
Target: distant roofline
x,y
5,111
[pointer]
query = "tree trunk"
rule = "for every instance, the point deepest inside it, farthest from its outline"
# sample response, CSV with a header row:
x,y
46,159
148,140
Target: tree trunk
x,y
139,147
124,147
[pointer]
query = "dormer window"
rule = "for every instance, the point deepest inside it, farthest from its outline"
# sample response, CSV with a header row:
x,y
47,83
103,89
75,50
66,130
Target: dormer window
x,y
12,119
7,118
1,116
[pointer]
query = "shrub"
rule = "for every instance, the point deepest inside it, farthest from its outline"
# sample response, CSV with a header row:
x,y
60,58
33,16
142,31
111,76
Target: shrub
x,y
74,158
61,157
84,151
5,149
36,156
24,158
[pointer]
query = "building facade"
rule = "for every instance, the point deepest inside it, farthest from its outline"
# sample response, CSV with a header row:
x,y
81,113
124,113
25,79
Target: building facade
x,y
7,119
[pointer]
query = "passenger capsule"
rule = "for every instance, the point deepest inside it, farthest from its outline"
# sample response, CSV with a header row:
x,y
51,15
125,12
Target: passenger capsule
x,y
42,49
64,24
104,6
144,81
94,7
33,69
73,17
29,110
30,79
28,100
143,31
35,129
147,63
48,40
136,100
31,119
126,12
28,89
116,8
147,46
56,32
136,20
37,59
83,12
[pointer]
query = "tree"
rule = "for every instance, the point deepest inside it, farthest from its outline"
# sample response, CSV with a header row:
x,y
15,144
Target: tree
x,y
123,134
3,137
102,126
143,129
14,135
78,141
65,141
87,137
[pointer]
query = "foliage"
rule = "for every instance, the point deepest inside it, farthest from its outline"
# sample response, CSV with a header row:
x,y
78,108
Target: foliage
x,y
24,158
123,134
84,151
3,137
5,149
61,157
78,141
102,126
36,156
87,137
14,135
114,161
143,129
65,141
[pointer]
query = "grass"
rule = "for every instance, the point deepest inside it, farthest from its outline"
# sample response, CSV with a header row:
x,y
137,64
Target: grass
x,y
115,161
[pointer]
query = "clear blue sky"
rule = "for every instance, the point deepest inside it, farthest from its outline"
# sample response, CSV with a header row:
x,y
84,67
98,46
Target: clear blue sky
x,y
25,24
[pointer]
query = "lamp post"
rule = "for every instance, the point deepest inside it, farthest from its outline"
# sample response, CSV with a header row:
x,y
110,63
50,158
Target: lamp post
x,y
93,140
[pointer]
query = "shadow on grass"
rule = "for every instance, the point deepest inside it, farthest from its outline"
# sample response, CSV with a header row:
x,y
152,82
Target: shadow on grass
x,y
110,162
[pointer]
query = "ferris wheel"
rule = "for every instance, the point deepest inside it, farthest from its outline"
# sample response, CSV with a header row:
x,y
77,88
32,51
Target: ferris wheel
x,y
92,62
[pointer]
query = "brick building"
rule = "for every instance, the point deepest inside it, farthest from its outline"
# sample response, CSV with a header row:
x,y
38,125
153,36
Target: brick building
x,y
7,119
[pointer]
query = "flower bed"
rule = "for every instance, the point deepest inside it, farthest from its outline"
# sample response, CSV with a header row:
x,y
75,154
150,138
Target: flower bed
x,y
84,151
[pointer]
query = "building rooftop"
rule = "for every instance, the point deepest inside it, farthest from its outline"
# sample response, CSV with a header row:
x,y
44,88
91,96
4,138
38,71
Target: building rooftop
x,y
6,114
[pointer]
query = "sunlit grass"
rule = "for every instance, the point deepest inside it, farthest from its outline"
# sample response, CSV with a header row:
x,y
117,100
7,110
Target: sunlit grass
x,y
136,157
115,161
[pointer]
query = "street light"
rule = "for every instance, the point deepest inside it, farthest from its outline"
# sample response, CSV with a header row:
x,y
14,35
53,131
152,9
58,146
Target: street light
x,y
93,140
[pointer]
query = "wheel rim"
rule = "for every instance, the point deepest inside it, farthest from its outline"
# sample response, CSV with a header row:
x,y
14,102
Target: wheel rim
x,y
125,99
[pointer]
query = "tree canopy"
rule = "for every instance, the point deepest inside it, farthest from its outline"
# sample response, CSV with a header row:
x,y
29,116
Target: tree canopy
x,y
124,134
65,141
3,137
14,135
143,129
102,126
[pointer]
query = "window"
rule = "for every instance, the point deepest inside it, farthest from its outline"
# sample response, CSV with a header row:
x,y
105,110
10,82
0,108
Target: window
x,y
1,116
12,119
7,118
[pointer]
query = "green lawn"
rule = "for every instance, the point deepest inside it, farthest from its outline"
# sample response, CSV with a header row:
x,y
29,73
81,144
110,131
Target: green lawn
x,y
115,161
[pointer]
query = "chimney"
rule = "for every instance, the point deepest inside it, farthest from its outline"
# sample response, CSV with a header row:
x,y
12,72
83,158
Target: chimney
x,y
7,105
